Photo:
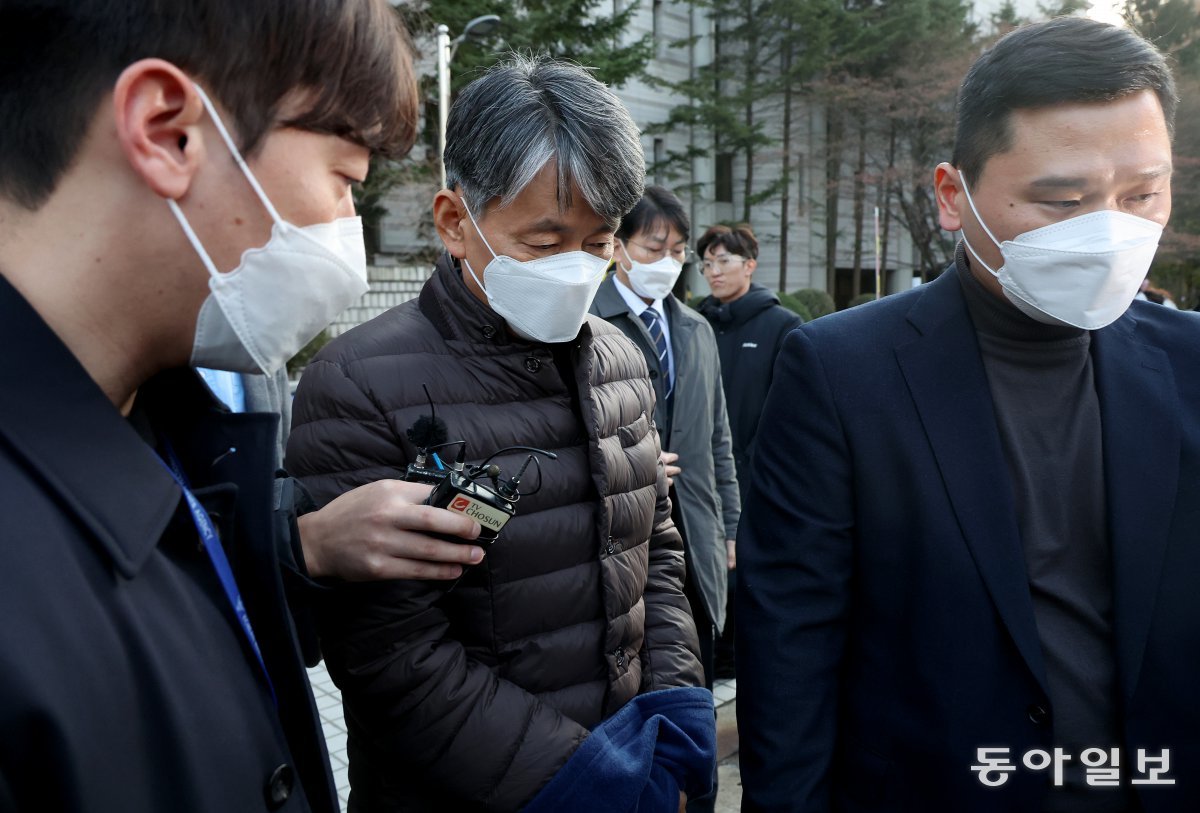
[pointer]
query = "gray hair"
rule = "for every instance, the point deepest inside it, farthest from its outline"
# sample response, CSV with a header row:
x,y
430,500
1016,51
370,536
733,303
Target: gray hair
x,y
507,125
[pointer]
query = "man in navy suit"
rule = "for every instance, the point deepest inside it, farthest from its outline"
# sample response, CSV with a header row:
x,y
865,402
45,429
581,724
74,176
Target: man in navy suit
x,y
971,571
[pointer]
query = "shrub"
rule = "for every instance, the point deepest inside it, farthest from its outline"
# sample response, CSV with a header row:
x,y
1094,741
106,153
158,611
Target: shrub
x,y
795,305
860,299
815,301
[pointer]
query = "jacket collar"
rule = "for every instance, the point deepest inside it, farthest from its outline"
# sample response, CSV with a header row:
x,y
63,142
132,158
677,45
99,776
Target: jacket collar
x,y
1135,384
608,302
741,310
948,384
1136,388
66,431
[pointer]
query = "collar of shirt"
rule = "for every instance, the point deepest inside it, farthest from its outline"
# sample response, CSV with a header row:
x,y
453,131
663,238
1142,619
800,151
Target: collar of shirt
x,y
637,304
227,386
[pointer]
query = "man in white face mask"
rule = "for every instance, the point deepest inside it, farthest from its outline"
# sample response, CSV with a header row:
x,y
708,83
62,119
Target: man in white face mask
x,y
965,550
477,696
681,351
189,209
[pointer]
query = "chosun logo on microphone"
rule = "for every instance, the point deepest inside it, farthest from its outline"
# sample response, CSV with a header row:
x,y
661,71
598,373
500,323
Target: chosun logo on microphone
x,y
485,515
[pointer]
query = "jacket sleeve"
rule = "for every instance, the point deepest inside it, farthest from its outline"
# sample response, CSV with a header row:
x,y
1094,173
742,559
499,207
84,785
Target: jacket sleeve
x,y
724,468
671,651
291,502
420,698
794,569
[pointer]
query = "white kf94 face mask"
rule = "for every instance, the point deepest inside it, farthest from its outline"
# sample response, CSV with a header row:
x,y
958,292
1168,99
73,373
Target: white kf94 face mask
x,y
542,300
281,295
653,280
1083,272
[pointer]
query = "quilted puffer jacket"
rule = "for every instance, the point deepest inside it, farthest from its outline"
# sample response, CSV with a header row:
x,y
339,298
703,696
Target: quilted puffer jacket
x,y
472,698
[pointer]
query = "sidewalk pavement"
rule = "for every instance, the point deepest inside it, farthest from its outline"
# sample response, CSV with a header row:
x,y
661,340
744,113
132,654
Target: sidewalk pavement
x,y
729,797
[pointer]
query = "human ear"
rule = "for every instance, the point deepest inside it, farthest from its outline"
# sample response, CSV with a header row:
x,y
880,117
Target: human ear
x,y
158,114
751,264
448,220
947,189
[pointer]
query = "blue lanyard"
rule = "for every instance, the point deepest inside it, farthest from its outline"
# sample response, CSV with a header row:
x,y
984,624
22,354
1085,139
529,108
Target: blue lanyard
x,y
216,553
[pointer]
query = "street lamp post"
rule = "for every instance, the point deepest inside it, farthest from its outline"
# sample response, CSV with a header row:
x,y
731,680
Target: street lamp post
x,y
443,75
478,29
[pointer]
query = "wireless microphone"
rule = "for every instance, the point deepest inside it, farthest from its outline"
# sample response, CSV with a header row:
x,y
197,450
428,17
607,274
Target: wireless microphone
x,y
457,486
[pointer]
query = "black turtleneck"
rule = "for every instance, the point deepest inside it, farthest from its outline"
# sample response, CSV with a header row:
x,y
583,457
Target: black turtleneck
x,y
1042,387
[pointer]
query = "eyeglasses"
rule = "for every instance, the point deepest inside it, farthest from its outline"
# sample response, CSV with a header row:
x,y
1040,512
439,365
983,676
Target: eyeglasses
x,y
724,262
682,254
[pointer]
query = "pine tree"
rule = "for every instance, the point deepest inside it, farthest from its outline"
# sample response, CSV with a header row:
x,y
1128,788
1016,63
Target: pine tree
x,y
1174,26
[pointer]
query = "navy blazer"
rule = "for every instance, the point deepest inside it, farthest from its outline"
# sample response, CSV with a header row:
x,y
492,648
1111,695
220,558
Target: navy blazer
x,y
885,625
125,681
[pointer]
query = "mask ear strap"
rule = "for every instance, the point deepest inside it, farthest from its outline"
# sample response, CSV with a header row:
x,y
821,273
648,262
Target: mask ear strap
x,y
975,211
975,254
472,273
625,251
237,156
479,232
192,238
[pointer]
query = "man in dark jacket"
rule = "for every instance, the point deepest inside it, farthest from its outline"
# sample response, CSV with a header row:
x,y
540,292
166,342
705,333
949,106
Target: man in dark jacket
x,y
968,573
471,696
150,658
750,326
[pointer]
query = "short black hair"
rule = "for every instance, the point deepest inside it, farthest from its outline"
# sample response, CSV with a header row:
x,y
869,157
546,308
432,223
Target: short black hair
x,y
658,205
58,59
1060,61
739,240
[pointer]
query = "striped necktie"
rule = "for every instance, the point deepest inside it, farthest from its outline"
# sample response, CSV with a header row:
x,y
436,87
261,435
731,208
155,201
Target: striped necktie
x,y
653,324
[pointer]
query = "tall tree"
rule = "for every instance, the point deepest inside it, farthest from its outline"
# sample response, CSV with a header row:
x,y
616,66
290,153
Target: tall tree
x,y
892,91
589,32
805,34
726,99
1174,26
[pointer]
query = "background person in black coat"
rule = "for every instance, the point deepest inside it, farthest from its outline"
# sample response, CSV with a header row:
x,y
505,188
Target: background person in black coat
x,y
750,326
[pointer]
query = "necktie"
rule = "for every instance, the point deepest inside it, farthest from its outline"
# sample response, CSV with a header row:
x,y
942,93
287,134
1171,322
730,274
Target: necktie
x,y
653,324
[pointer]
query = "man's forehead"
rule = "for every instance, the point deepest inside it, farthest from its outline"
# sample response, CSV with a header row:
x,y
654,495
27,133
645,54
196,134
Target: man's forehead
x,y
1059,146
1130,117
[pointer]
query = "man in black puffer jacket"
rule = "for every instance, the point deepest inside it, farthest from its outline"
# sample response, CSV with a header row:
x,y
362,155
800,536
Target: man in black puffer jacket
x,y
473,698
750,325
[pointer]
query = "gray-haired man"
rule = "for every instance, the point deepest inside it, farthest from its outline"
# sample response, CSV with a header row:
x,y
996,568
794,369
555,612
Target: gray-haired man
x,y
475,697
